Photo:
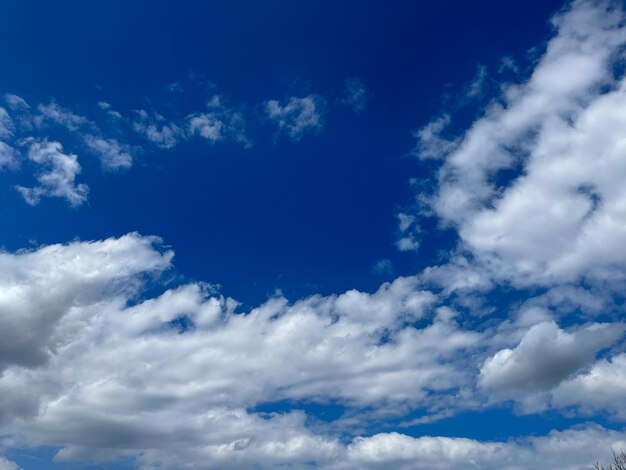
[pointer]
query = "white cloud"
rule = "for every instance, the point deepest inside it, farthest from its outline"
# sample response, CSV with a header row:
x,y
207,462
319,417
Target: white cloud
x,y
573,449
430,143
49,296
207,125
409,233
88,369
219,123
459,274
545,357
105,106
567,299
158,130
15,102
55,113
409,243
8,156
103,379
92,366
535,186
113,155
56,174
7,128
600,390
7,464
39,129
298,116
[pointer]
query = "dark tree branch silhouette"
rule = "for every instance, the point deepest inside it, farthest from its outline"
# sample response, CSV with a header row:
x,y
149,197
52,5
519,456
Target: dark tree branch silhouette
x,y
619,462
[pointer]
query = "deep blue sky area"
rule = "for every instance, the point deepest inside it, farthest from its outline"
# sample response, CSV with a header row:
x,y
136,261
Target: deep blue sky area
x,y
304,217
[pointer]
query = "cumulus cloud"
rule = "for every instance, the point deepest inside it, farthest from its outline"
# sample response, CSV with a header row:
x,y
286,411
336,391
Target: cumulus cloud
x,y
55,169
158,130
600,390
208,126
92,366
88,369
113,155
219,123
298,116
46,298
7,464
573,449
46,125
54,113
409,233
56,174
34,299
430,142
534,186
545,357
534,189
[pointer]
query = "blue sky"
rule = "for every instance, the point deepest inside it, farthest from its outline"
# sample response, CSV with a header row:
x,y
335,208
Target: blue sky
x,y
311,234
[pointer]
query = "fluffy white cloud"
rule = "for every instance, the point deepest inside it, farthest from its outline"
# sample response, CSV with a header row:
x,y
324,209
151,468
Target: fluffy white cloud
x,y
430,143
573,449
409,233
54,169
113,155
158,130
356,347
43,126
207,125
298,116
535,186
535,190
173,380
59,115
40,288
7,465
56,174
173,377
219,123
601,389
545,356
